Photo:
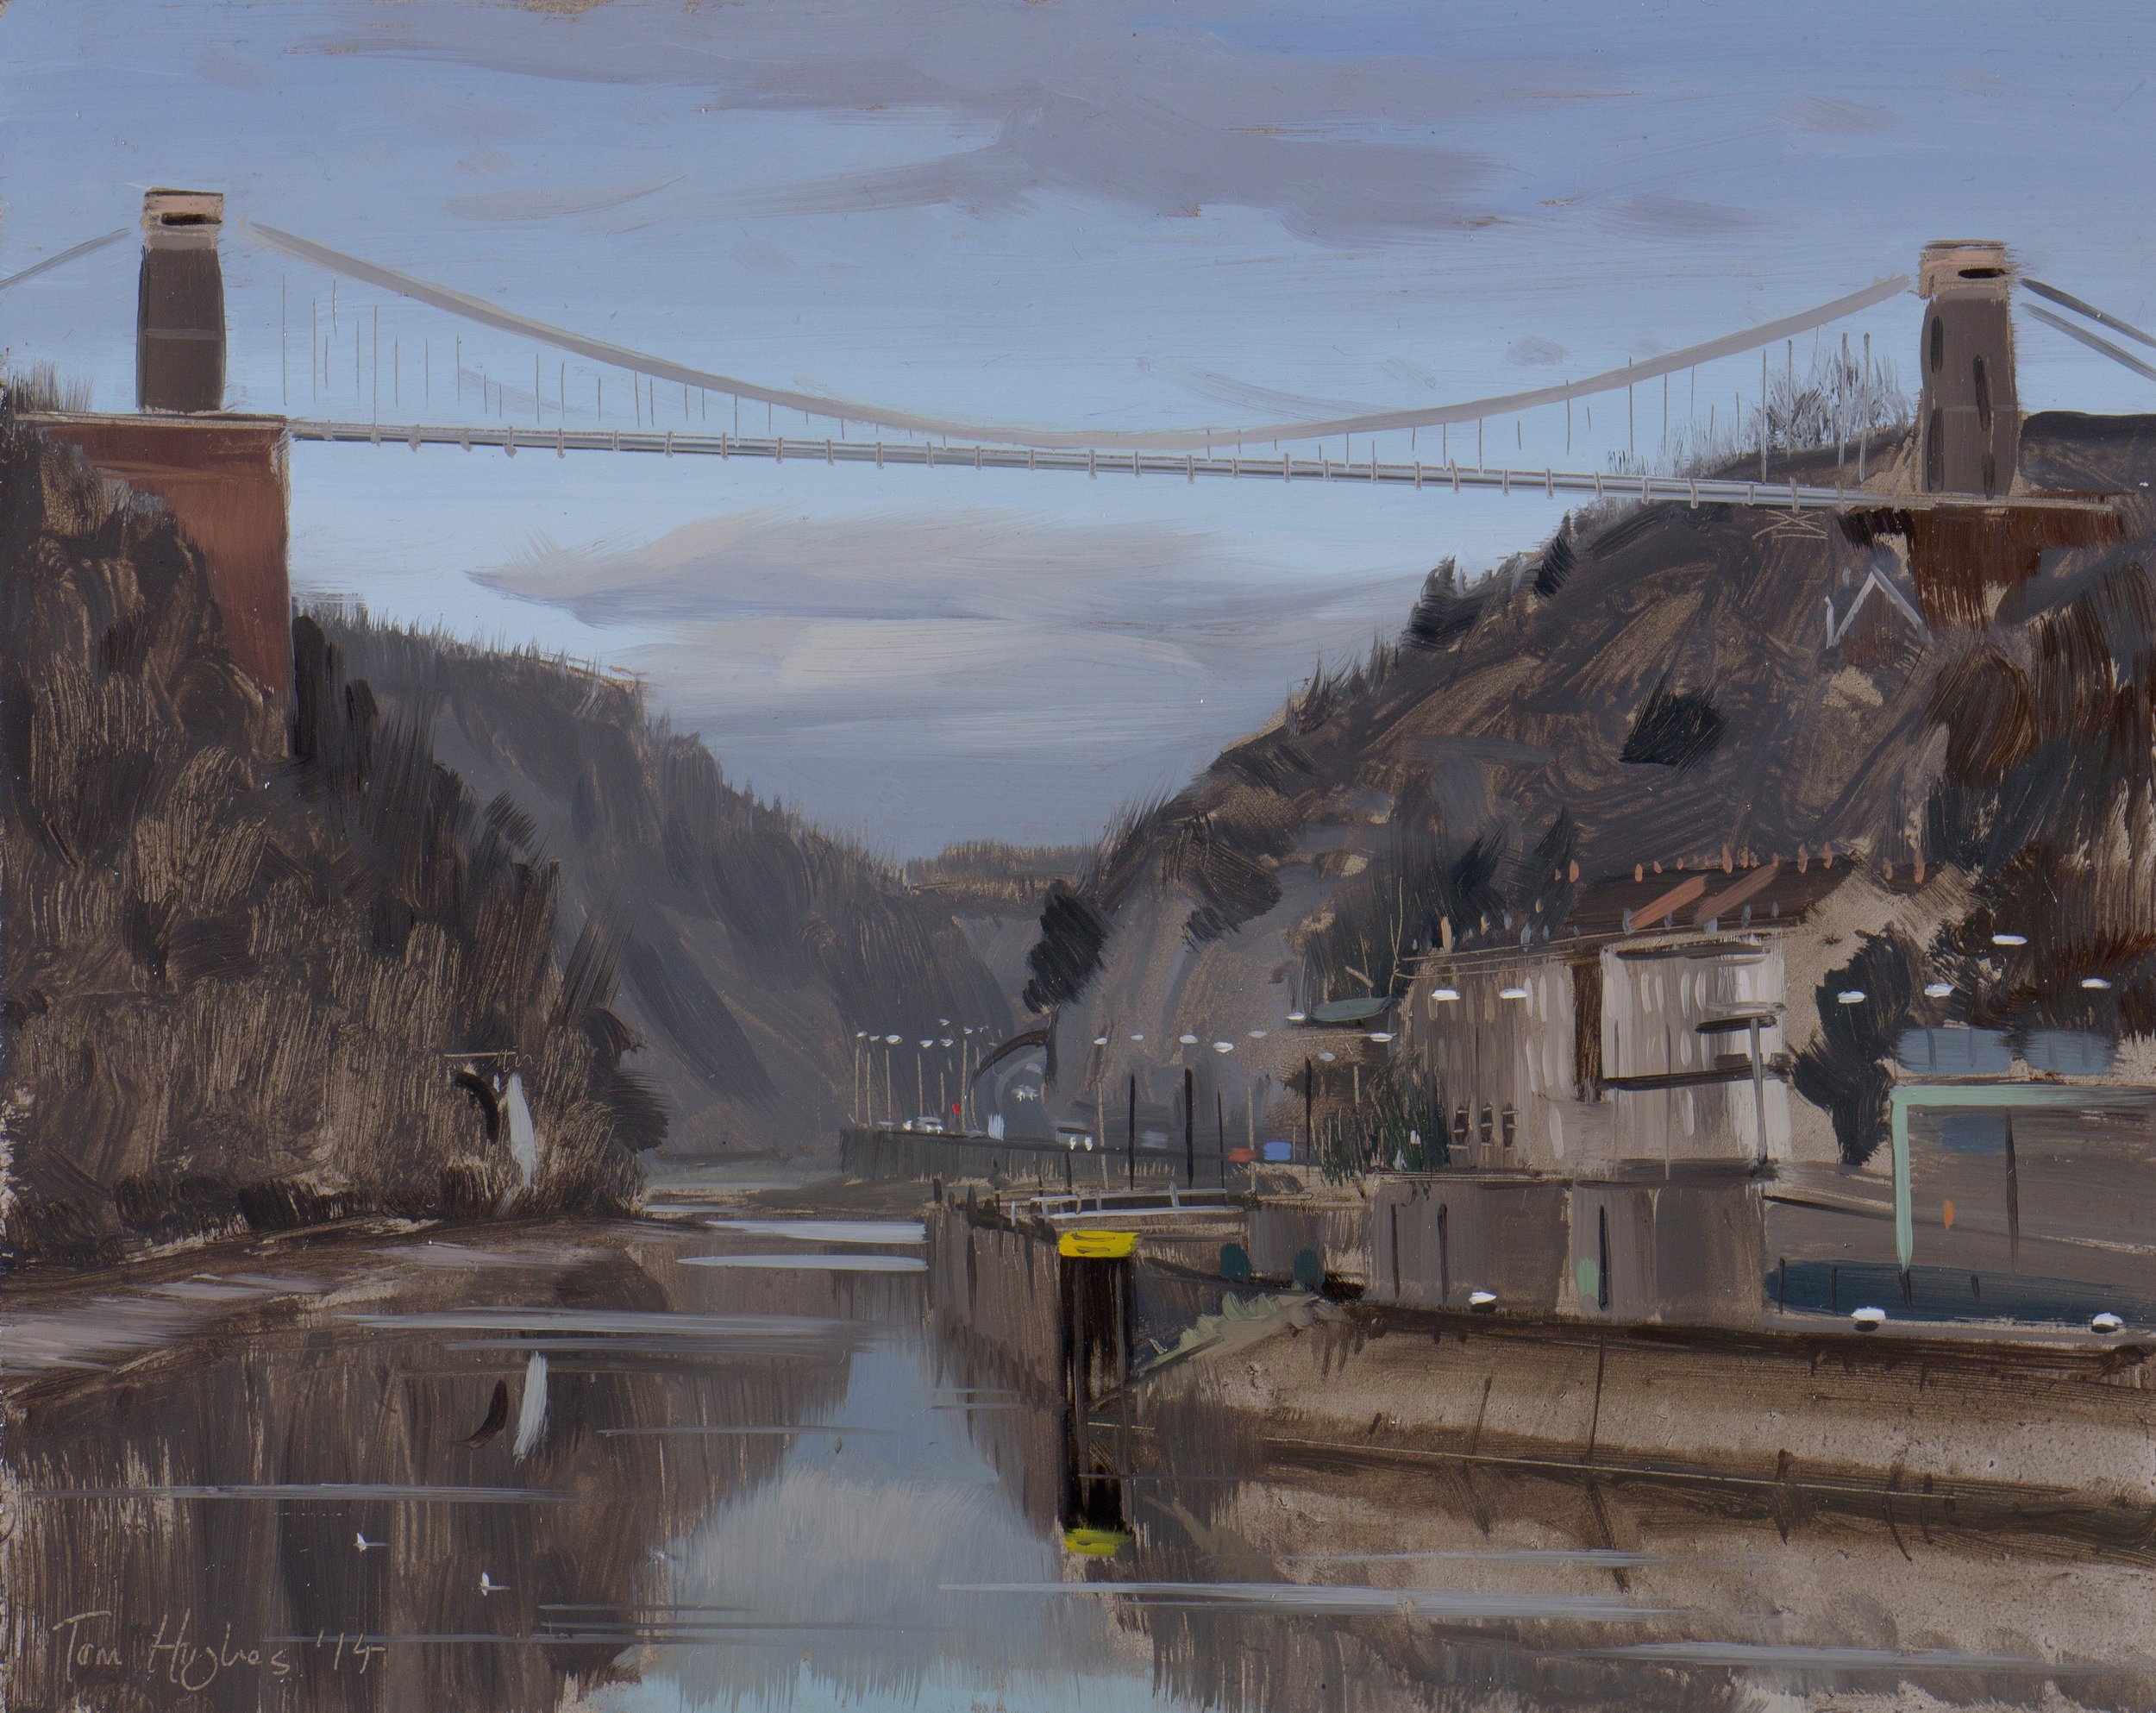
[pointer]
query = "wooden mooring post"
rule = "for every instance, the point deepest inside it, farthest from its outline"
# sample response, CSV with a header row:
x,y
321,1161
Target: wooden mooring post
x,y
1094,1285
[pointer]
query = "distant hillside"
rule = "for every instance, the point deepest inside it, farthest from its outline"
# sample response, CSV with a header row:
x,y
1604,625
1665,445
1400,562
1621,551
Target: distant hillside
x,y
984,874
750,947
996,892
240,980
1653,684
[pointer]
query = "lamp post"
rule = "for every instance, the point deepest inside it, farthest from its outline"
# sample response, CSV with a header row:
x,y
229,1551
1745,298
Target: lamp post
x,y
1220,1114
1328,1056
1100,1101
890,1100
1309,1110
965,1077
1131,1125
1190,1127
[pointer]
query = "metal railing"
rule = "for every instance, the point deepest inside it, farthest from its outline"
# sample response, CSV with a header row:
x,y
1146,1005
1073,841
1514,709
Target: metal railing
x,y
1283,466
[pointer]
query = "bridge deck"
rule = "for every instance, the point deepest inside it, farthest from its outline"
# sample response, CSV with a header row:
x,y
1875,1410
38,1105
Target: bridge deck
x,y
1282,467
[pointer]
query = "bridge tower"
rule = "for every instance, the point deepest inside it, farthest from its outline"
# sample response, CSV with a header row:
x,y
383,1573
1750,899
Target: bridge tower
x,y
223,474
179,306
1969,419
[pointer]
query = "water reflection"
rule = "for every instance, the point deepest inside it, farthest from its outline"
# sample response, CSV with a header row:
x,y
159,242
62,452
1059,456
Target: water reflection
x,y
592,1469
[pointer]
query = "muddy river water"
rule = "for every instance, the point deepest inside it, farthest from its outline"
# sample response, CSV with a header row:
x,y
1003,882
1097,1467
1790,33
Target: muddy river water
x,y
727,1460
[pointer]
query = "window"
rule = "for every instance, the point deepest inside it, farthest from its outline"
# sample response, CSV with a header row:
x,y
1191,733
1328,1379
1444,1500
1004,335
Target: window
x,y
1955,1052
2072,1052
1938,344
1984,396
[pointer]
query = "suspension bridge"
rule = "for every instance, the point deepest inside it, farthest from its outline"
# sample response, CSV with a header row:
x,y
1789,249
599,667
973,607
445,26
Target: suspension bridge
x,y
858,434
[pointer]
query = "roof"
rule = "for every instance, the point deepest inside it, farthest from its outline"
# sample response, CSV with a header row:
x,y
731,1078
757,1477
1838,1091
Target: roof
x,y
1780,889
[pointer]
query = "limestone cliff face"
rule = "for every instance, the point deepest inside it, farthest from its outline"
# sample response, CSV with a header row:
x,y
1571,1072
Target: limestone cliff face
x,y
239,960
1653,684
460,938
750,947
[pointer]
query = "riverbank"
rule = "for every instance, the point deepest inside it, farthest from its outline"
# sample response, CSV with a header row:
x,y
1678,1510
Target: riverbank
x,y
741,1451
2017,1432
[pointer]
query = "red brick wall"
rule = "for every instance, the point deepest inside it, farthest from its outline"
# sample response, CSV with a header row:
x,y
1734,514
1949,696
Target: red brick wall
x,y
225,481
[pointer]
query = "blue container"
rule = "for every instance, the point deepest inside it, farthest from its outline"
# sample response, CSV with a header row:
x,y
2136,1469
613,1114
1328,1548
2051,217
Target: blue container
x,y
1279,1153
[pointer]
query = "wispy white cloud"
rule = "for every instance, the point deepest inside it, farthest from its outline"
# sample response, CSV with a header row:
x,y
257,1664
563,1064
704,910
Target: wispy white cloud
x,y
905,651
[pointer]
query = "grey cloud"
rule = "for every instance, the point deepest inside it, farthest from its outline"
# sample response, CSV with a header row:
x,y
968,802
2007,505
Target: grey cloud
x,y
1226,389
234,71
468,121
550,202
1172,164
1097,99
1832,117
1534,352
1659,216
947,565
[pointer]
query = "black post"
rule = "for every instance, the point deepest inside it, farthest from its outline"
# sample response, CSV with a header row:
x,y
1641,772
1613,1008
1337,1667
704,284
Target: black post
x,y
1131,1134
1190,1128
1221,1131
2013,1201
1309,1103
1096,1334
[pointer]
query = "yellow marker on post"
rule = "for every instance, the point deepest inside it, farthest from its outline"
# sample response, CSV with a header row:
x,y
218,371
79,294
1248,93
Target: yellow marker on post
x,y
1097,1246
1094,1543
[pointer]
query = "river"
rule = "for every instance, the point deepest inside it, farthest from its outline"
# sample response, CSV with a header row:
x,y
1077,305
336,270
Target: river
x,y
727,1459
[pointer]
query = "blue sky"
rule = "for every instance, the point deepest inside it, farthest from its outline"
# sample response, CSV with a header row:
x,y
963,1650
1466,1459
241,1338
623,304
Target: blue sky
x,y
1066,214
